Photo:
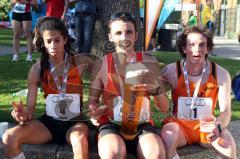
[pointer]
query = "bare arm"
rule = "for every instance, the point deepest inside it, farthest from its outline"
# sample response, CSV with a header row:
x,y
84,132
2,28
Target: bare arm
x,y
96,83
224,96
33,80
66,5
33,2
155,76
13,2
20,113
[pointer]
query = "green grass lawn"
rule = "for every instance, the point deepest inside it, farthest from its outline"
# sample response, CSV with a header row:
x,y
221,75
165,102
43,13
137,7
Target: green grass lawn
x,y
13,78
6,37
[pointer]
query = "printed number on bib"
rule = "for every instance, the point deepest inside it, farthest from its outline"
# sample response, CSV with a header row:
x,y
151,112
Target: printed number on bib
x,y
202,106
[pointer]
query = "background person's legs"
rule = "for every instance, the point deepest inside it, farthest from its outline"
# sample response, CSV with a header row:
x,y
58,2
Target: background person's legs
x,y
89,25
79,31
27,28
17,29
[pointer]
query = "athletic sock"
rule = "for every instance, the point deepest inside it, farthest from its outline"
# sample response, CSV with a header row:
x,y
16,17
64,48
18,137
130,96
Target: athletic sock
x,y
176,157
19,156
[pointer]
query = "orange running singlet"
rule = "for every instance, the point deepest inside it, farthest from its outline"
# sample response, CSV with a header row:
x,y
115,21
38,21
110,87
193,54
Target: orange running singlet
x,y
208,89
112,90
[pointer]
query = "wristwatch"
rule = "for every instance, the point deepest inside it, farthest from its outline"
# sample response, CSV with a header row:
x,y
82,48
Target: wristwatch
x,y
220,128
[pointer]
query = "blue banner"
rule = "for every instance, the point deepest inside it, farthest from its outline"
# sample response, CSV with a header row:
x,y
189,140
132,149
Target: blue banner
x,y
167,9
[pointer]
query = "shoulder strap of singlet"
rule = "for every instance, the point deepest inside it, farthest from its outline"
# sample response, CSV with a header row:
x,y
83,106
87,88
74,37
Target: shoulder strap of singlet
x,y
213,69
179,72
109,62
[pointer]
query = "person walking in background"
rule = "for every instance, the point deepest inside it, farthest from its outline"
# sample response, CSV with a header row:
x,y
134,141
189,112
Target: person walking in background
x,y
207,16
192,21
22,21
85,18
198,85
56,8
60,74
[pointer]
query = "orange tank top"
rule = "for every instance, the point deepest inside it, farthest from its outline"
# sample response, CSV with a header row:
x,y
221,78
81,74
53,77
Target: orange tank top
x,y
112,89
208,89
74,83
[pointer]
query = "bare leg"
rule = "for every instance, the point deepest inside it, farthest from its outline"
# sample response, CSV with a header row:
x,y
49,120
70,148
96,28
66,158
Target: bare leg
x,y
17,28
173,138
151,146
32,133
77,136
111,146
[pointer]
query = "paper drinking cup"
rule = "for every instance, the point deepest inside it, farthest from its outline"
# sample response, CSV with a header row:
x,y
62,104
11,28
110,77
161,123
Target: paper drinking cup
x,y
3,127
207,124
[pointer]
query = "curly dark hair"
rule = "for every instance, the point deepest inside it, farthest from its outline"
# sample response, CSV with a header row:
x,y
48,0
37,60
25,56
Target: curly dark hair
x,y
182,39
48,24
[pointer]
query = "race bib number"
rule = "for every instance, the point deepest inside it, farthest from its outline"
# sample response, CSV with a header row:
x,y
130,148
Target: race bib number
x,y
118,109
63,109
202,106
19,8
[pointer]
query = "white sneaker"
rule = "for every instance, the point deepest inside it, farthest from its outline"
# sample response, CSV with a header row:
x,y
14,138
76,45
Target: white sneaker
x,y
15,58
29,58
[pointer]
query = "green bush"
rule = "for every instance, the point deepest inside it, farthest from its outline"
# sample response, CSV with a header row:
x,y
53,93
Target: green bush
x,y
4,9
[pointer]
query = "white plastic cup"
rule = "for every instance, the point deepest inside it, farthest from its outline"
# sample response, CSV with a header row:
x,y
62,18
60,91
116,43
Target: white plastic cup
x,y
3,127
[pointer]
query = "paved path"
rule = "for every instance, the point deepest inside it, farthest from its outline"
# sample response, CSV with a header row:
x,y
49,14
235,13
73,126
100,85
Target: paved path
x,y
229,48
4,50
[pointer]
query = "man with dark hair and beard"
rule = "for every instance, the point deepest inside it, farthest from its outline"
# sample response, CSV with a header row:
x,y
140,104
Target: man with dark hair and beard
x,y
126,79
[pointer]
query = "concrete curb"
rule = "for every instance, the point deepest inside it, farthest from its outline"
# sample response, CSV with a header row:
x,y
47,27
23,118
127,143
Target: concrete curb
x,y
51,151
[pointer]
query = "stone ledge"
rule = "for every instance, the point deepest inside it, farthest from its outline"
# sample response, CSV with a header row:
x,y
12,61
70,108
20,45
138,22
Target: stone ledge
x,y
51,151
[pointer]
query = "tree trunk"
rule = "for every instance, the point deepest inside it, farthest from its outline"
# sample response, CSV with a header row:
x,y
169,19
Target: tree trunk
x,y
106,8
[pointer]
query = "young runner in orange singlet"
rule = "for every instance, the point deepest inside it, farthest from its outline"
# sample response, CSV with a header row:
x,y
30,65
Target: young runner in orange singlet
x,y
111,77
60,74
197,86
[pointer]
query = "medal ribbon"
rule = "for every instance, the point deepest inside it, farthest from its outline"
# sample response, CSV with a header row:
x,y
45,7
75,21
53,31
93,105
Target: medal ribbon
x,y
194,97
61,88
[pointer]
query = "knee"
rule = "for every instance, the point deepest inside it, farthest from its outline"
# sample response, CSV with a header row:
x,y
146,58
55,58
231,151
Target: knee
x,y
154,152
107,152
151,147
16,36
169,134
10,139
28,35
79,141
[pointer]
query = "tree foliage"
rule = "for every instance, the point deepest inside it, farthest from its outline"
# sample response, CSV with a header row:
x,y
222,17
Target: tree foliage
x,y
4,9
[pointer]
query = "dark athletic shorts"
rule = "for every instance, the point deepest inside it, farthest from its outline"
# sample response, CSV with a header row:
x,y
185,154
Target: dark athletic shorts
x,y
131,145
22,16
57,128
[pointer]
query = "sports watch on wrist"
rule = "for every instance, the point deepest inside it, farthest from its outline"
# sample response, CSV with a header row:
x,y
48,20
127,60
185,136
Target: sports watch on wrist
x,y
220,128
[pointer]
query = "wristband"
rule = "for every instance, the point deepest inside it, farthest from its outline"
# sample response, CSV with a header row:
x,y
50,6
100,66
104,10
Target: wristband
x,y
219,127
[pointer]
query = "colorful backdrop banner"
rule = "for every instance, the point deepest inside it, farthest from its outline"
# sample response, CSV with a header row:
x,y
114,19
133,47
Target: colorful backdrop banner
x,y
168,7
152,8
